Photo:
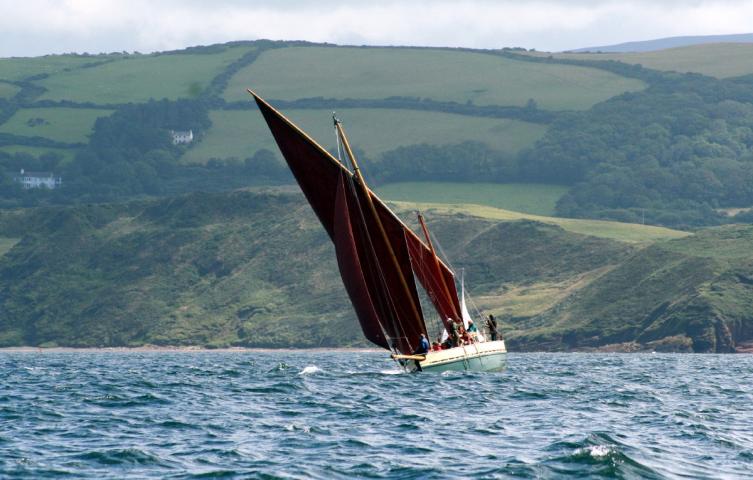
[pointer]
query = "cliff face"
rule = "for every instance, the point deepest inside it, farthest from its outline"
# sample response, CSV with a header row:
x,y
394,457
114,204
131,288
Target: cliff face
x,y
257,270
691,294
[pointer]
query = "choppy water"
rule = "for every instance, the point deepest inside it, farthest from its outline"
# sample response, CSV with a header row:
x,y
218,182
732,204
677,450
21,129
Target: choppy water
x,y
344,415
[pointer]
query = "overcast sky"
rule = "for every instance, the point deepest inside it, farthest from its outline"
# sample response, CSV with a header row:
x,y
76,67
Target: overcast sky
x,y
37,27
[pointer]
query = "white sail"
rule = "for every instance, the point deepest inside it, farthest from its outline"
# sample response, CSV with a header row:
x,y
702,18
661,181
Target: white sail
x,y
464,309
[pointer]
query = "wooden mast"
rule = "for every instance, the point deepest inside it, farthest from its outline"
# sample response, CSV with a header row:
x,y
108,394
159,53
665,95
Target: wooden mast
x,y
445,288
372,208
336,162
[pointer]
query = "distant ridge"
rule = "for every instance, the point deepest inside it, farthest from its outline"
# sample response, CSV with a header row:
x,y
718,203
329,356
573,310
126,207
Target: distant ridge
x,y
669,42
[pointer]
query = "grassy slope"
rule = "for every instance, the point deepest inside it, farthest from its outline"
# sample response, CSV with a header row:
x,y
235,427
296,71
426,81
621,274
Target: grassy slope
x,y
62,124
139,78
19,68
297,72
7,90
536,199
192,270
241,133
257,269
721,60
694,293
624,232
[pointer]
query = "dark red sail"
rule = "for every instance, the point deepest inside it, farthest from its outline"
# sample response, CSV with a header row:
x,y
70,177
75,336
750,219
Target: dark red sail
x,y
386,304
351,269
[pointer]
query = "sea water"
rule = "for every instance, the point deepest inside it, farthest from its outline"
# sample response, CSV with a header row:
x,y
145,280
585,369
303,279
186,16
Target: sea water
x,y
298,414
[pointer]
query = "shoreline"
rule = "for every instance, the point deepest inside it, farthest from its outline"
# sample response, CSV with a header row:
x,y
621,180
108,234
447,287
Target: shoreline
x,y
182,349
743,348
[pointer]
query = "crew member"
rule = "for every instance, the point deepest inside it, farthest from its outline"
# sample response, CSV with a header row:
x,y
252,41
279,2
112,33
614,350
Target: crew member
x,y
472,330
423,346
454,332
491,324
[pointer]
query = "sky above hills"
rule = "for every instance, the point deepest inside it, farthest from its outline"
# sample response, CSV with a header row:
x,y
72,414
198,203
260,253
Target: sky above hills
x,y
37,27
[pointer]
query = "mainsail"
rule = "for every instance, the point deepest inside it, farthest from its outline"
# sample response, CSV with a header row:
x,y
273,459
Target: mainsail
x,y
376,253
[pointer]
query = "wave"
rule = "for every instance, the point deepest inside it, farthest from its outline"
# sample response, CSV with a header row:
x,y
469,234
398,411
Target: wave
x,y
346,415
127,456
310,370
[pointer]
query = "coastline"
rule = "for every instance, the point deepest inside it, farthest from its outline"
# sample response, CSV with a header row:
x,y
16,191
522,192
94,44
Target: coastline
x,y
181,349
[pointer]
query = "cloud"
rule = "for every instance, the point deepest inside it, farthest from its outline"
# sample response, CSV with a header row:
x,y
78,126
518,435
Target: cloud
x,y
36,27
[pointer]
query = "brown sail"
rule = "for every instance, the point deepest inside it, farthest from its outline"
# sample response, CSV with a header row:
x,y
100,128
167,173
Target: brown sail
x,y
383,292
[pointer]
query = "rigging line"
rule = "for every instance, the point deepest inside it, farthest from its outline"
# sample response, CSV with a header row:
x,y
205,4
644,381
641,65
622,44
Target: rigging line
x,y
335,120
385,238
263,103
434,319
371,267
392,306
446,260
380,226
442,282
391,310
479,315
338,143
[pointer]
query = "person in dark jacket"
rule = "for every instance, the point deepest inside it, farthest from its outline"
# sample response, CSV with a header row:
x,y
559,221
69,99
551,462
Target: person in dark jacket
x,y
423,346
423,349
491,324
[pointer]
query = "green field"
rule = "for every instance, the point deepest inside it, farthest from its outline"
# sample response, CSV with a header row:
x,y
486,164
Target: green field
x,y
241,133
67,153
7,90
521,197
139,78
721,60
19,68
624,232
298,72
71,125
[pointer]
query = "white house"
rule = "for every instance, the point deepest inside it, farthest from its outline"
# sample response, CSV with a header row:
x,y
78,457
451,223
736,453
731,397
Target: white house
x,y
38,179
181,137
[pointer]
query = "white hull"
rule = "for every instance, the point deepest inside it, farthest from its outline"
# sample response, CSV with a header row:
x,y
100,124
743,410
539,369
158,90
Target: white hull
x,y
478,357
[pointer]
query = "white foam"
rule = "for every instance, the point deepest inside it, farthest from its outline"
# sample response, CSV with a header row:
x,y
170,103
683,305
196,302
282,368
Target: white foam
x,y
291,427
596,451
391,372
311,369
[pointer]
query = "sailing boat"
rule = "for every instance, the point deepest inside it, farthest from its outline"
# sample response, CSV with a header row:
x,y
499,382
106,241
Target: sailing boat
x,y
379,257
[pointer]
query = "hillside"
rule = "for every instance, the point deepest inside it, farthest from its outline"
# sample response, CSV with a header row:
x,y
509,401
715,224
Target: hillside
x,y
293,71
438,74
206,270
56,112
670,42
620,137
256,269
236,133
690,294
721,60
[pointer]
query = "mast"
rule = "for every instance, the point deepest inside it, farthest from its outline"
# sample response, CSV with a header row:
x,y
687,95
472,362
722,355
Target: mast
x,y
379,257
367,193
378,202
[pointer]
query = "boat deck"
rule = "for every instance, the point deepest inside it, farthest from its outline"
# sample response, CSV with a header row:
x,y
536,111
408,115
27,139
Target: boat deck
x,y
482,356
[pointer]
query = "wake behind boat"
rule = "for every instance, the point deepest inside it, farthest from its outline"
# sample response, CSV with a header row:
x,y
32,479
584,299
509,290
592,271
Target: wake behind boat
x,y
380,258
